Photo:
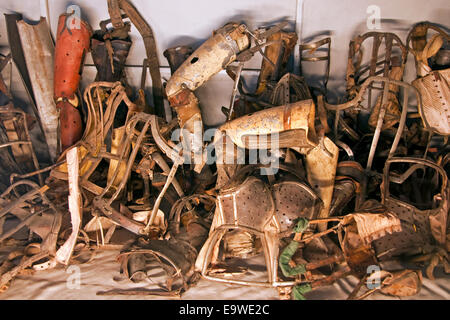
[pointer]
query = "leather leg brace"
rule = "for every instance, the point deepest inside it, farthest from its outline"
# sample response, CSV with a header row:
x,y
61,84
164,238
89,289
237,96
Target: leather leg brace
x,y
106,72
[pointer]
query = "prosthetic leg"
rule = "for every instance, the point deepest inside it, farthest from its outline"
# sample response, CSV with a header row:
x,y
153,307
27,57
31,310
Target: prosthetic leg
x,y
211,57
72,43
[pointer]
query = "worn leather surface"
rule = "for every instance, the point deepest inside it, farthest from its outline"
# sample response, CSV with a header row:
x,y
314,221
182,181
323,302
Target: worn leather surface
x,y
102,62
100,274
435,91
71,127
72,43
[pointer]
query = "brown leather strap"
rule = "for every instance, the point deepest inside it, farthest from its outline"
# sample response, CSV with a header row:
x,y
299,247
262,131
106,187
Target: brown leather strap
x,y
152,56
322,113
144,73
114,7
114,13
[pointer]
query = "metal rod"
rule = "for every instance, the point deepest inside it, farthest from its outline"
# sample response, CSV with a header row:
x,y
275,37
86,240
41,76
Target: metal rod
x,y
29,195
20,225
235,89
377,133
170,177
12,143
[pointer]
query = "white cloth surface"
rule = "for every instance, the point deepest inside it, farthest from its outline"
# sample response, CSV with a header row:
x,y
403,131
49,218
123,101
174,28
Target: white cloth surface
x,y
100,274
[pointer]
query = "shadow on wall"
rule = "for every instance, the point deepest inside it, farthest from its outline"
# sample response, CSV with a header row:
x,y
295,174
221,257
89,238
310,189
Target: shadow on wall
x,y
441,14
247,17
244,17
25,18
189,41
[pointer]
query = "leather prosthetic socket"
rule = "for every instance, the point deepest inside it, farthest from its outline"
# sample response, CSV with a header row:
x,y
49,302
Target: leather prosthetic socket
x,y
212,56
433,74
72,43
109,51
176,56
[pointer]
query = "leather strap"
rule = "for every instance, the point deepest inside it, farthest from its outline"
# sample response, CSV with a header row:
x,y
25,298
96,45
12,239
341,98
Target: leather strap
x,y
146,32
114,13
322,113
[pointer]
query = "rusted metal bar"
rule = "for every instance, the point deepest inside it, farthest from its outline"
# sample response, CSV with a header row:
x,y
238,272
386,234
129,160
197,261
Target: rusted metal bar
x,y
116,216
325,262
18,120
346,271
140,292
312,48
235,89
170,177
29,195
376,135
22,224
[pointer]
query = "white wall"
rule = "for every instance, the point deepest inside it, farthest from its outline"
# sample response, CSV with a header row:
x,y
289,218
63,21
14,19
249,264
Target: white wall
x,y
181,22
345,19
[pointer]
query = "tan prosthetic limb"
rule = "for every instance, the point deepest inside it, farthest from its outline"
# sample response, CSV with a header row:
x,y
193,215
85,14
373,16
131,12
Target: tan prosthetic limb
x,y
212,56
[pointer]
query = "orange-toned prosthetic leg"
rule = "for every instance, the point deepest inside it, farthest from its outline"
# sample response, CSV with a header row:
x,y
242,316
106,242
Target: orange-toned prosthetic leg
x,y
72,43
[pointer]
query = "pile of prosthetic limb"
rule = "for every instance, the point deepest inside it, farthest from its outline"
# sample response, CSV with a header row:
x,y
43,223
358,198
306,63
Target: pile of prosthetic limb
x,y
321,191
